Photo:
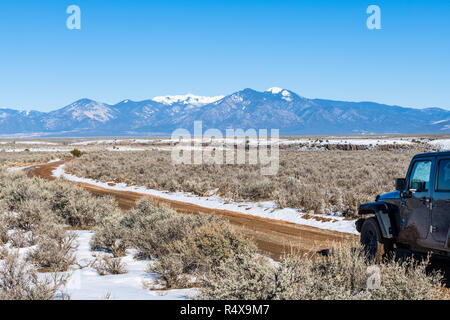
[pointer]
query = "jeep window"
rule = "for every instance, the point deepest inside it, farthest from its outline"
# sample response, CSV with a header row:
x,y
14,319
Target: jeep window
x,y
419,180
444,176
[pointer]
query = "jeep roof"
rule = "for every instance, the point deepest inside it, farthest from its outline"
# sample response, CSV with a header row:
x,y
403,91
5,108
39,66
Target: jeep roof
x,y
432,154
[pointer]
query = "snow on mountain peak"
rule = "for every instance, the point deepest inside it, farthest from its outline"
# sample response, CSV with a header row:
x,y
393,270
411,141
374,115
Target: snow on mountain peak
x,y
188,99
274,90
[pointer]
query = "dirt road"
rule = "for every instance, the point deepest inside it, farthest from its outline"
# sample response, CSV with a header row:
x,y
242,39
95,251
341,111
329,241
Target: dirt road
x,y
273,237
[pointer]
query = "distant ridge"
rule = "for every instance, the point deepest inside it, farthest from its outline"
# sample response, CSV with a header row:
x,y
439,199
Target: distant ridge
x,y
275,108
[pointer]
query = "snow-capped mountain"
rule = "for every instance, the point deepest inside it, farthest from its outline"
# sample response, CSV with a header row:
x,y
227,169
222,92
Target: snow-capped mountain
x,y
187,99
275,108
84,114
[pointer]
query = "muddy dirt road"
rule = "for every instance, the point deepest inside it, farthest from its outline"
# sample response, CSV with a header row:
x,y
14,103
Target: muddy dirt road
x,y
273,237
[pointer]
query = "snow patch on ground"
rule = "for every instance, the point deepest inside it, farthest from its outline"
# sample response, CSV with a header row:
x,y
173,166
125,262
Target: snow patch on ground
x,y
37,142
364,142
86,283
88,142
442,144
266,209
117,148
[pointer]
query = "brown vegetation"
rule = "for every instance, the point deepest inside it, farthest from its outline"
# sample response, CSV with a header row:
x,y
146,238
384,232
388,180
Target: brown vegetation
x,y
315,181
12,159
201,250
344,275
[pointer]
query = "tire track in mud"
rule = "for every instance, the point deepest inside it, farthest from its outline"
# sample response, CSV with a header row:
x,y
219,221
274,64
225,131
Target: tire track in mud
x,y
273,237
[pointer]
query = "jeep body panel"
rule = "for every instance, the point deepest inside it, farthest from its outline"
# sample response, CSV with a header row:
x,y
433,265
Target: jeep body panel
x,y
440,206
415,210
418,217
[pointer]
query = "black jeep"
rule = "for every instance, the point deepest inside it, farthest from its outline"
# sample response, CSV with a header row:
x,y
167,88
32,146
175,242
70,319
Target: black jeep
x,y
416,217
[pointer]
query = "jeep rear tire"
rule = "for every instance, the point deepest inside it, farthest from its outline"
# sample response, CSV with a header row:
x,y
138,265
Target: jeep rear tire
x,y
371,239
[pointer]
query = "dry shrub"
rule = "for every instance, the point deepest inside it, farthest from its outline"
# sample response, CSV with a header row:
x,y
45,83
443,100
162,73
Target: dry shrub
x,y
21,239
110,235
20,281
30,213
4,232
4,252
106,265
33,198
17,188
344,274
55,249
151,229
408,281
318,181
78,207
208,245
186,246
245,277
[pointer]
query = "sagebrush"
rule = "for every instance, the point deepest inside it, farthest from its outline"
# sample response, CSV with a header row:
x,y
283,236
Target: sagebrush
x,y
318,181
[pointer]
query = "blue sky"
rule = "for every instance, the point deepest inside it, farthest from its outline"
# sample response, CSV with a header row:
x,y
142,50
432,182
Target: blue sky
x,y
140,49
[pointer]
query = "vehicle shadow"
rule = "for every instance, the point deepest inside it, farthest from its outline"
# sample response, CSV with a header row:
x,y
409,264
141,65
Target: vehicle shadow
x,y
442,265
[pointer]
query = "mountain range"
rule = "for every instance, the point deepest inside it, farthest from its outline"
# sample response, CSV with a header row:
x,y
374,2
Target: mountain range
x,y
275,108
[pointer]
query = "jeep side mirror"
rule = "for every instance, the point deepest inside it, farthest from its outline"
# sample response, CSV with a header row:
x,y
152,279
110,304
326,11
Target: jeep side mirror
x,y
418,185
400,184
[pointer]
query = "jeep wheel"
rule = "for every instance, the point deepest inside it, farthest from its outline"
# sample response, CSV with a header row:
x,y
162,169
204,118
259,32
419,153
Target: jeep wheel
x,y
371,239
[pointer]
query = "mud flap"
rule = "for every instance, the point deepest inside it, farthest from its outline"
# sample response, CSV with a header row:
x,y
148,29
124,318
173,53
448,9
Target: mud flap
x,y
385,223
381,211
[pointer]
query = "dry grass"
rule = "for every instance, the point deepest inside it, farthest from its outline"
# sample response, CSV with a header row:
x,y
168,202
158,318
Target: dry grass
x,y
315,181
10,159
343,275
187,250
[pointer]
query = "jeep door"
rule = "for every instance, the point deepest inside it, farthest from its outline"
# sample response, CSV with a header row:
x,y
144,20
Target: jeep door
x,y
415,208
440,214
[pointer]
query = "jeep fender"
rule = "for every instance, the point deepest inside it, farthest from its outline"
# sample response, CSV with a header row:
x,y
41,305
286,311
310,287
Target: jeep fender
x,y
380,210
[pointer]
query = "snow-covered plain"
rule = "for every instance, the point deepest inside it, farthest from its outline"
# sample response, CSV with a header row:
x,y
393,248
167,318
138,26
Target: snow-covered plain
x,y
306,142
354,141
38,149
266,209
88,142
441,144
